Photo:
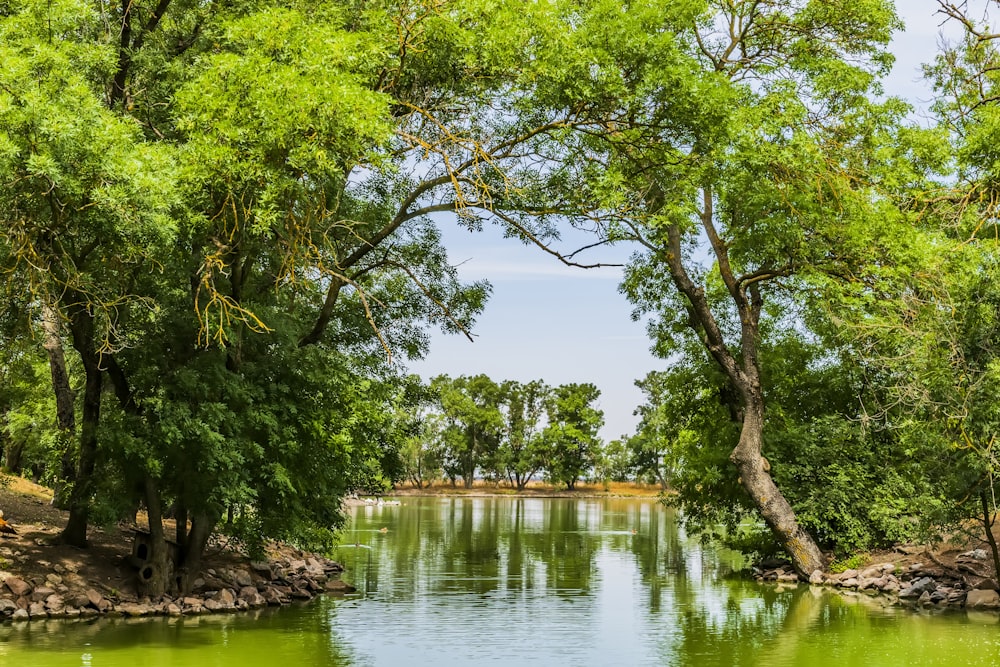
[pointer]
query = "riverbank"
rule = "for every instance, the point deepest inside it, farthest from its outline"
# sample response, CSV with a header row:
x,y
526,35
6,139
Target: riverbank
x,y
533,490
953,575
39,579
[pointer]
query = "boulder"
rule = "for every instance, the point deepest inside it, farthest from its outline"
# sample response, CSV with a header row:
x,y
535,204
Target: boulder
x,y
7,607
224,597
816,578
263,569
42,592
845,575
37,610
917,587
242,578
212,605
134,609
94,598
982,599
848,583
173,609
54,603
18,587
20,615
53,579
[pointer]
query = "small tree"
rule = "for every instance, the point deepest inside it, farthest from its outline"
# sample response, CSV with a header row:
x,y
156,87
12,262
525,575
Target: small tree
x,y
572,445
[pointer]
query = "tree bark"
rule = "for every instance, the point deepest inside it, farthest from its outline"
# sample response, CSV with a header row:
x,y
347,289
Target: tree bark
x,y
65,401
744,373
156,575
774,508
81,325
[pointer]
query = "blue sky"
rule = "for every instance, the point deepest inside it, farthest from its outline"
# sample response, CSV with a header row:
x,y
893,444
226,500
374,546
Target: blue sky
x,y
546,321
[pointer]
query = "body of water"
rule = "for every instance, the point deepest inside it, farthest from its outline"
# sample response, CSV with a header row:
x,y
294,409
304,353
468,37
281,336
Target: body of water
x,y
528,581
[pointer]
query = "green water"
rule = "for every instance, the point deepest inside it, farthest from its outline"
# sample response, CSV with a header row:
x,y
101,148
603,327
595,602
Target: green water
x,y
508,581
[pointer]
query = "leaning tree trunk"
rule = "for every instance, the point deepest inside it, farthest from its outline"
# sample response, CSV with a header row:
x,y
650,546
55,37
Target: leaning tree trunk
x,y
774,508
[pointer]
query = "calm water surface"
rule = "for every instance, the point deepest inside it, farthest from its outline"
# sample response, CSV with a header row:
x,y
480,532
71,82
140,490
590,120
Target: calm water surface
x,y
515,581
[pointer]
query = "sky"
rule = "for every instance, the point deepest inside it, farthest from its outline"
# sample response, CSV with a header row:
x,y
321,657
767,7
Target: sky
x,y
561,324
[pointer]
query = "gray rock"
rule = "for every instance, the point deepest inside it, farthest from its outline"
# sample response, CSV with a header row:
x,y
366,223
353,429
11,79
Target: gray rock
x,y
982,599
37,610
18,587
42,592
20,615
975,554
242,578
191,602
846,574
816,578
7,607
212,605
94,598
53,579
917,587
173,610
225,597
54,603
848,583
262,568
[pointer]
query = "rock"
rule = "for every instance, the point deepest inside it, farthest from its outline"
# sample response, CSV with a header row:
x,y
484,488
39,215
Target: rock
x,y
273,596
42,592
7,607
224,597
849,583
37,610
816,578
59,569
787,577
20,615
70,612
986,584
917,587
338,586
891,586
134,609
297,565
198,583
243,578
876,571
191,602
54,603
846,574
975,554
88,612
982,599
173,610
18,587
262,568
53,579
212,605
925,599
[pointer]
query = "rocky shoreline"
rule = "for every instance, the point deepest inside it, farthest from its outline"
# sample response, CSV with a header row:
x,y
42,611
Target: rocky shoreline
x,y
917,585
65,593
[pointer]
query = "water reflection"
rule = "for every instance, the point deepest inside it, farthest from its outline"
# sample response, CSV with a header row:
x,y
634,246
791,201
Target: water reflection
x,y
513,581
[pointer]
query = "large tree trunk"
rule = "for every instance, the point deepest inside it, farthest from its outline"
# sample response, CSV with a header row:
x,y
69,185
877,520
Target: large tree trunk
x,y
195,542
82,329
774,508
65,408
156,574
